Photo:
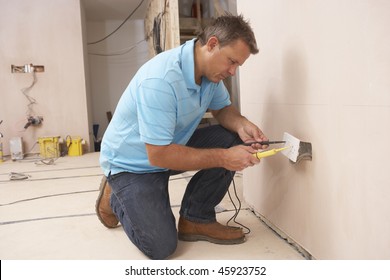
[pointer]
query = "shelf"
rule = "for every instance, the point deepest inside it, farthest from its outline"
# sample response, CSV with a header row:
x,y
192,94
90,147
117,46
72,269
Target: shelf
x,y
190,26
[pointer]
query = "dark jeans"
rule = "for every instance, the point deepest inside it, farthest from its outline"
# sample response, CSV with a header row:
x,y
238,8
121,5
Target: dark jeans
x,y
141,201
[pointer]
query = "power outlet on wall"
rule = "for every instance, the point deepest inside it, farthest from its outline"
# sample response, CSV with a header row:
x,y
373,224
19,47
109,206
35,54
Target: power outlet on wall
x,y
27,68
293,143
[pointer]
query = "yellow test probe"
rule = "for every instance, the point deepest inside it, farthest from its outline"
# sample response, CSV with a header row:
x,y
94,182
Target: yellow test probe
x,y
268,153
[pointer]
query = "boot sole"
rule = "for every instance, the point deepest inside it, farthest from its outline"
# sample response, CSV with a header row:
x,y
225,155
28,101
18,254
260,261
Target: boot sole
x,y
196,237
101,192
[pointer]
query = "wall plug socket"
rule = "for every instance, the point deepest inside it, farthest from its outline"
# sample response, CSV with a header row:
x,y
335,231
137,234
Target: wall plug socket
x,y
298,150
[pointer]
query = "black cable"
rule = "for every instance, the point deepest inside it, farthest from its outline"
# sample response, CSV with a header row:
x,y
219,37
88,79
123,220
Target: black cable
x,y
67,145
165,25
46,218
61,169
157,34
120,52
157,31
64,216
237,209
54,178
98,41
67,193
46,196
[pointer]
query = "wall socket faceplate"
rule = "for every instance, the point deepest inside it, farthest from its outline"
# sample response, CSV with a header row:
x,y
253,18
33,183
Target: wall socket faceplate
x,y
27,68
292,142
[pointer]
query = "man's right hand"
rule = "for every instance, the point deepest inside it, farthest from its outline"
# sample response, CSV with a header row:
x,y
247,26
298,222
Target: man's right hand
x,y
239,157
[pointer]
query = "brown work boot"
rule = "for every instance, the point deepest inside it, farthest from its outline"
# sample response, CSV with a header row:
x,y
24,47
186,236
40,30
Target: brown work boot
x,y
103,208
212,232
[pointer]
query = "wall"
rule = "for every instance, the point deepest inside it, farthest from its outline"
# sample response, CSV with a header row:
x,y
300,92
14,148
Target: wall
x,y
49,33
322,75
112,63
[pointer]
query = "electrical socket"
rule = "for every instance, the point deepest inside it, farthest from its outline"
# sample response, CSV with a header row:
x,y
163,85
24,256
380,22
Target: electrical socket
x,y
27,68
293,143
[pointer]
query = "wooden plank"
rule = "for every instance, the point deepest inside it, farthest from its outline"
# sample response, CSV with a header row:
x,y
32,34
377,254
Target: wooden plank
x,y
166,14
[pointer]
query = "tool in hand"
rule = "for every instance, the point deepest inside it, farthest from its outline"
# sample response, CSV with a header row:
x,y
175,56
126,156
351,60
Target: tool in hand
x,y
294,149
264,143
268,153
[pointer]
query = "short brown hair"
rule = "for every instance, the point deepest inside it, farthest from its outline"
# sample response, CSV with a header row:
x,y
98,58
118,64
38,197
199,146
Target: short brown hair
x,y
229,28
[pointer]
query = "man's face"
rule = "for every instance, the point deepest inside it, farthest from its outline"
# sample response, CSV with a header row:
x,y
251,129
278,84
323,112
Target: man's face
x,y
223,61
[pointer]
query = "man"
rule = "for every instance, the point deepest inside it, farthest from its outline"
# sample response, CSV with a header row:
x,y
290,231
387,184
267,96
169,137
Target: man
x,y
153,134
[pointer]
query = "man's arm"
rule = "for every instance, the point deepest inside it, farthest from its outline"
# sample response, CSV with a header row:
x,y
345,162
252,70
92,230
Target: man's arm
x,y
183,158
231,119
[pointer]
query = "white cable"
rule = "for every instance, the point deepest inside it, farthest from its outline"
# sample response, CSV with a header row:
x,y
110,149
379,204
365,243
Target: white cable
x,y
30,99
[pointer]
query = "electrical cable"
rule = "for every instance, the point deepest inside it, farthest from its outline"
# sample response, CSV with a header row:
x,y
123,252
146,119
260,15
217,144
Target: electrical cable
x,y
26,90
237,209
67,177
98,41
45,196
119,52
62,194
159,46
55,178
157,34
47,161
22,176
165,25
67,145
61,169
46,218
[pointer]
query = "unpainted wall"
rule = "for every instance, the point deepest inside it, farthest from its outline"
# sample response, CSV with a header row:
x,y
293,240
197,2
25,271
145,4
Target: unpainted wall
x,y
48,33
322,75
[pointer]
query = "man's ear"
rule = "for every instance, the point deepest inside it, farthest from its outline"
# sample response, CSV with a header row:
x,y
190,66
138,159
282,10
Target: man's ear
x,y
212,43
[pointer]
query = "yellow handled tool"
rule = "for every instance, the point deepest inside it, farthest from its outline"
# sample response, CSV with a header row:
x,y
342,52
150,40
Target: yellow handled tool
x,y
268,153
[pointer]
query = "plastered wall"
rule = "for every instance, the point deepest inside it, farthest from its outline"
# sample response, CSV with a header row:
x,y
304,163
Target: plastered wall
x,y
112,63
322,75
48,33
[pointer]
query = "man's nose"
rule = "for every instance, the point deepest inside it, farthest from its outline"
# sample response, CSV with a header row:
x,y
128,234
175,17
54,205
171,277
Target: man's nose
x,y
232,70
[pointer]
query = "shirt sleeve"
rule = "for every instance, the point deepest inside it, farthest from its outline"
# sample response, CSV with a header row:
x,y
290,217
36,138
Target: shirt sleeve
x,y
156,109
221,97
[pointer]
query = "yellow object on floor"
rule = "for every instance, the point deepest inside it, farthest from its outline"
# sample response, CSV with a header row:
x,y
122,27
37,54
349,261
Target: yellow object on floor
x,y
74,145
49,147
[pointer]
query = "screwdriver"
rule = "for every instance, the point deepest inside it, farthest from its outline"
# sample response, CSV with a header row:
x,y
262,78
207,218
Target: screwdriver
x,y
264,143
268,153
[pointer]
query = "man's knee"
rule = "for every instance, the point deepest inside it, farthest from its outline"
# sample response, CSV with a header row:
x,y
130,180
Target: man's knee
x,y
162,248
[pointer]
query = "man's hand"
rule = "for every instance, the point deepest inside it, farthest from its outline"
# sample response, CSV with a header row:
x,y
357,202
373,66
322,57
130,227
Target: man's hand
x,y
231,119
249,132
239,157
178,157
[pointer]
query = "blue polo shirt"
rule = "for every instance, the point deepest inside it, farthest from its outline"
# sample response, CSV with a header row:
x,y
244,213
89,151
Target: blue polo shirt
x,y
161,105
